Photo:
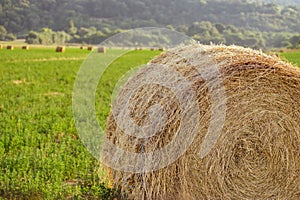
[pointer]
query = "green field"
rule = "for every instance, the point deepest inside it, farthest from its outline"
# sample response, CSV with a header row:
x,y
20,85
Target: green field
x,y
41,154
293,57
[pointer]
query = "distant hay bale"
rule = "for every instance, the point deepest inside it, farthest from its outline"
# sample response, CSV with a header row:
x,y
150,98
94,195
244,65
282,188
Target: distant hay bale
x,y
90,48
10,47
60,49
257,155
81,47
101,50
25,47
1,46
161,49
152,49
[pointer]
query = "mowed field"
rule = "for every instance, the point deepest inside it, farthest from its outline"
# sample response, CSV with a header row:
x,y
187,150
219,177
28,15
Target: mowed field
x,y
41,155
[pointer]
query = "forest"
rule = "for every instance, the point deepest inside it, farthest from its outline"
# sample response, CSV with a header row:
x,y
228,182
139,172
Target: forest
x,y
258,24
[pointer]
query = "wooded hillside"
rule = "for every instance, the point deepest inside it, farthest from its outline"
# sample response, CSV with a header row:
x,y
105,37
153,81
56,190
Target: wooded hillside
x,y
91,21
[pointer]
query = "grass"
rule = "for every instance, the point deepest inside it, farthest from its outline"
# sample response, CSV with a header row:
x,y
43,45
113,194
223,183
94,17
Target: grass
x,y
293,57
41,55
41,154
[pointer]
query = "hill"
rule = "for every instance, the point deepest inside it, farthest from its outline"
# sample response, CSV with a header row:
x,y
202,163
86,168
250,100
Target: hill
x,y
283,2
20,16
77,17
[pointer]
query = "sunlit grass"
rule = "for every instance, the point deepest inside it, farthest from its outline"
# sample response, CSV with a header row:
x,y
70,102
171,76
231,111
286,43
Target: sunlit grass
x,y
293,57
42,156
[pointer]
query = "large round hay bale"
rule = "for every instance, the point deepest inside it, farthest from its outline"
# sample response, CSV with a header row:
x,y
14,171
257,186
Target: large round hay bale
x,y
60,49
256,156
10,47
101,50
26,47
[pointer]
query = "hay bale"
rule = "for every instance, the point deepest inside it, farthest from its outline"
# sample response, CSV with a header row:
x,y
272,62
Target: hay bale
x,y
101,50
1,46
257,155
60,49
25,47
90,48
81,47
161,49
10,47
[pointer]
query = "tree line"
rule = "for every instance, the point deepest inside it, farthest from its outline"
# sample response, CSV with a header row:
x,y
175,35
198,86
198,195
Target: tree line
x,y
241,22
205,32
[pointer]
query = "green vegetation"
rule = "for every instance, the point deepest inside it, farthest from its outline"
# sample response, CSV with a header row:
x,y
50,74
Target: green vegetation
x,y
283,2
6,36
41,154
293,57
243,22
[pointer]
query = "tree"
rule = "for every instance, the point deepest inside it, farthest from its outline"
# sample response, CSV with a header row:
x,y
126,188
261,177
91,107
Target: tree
x,y
72,29
220,27
3,32
46,36
10,37
61,37
295,41
32,38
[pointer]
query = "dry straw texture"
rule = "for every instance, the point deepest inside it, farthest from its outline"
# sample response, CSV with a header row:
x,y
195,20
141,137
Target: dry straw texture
x,y
257,155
